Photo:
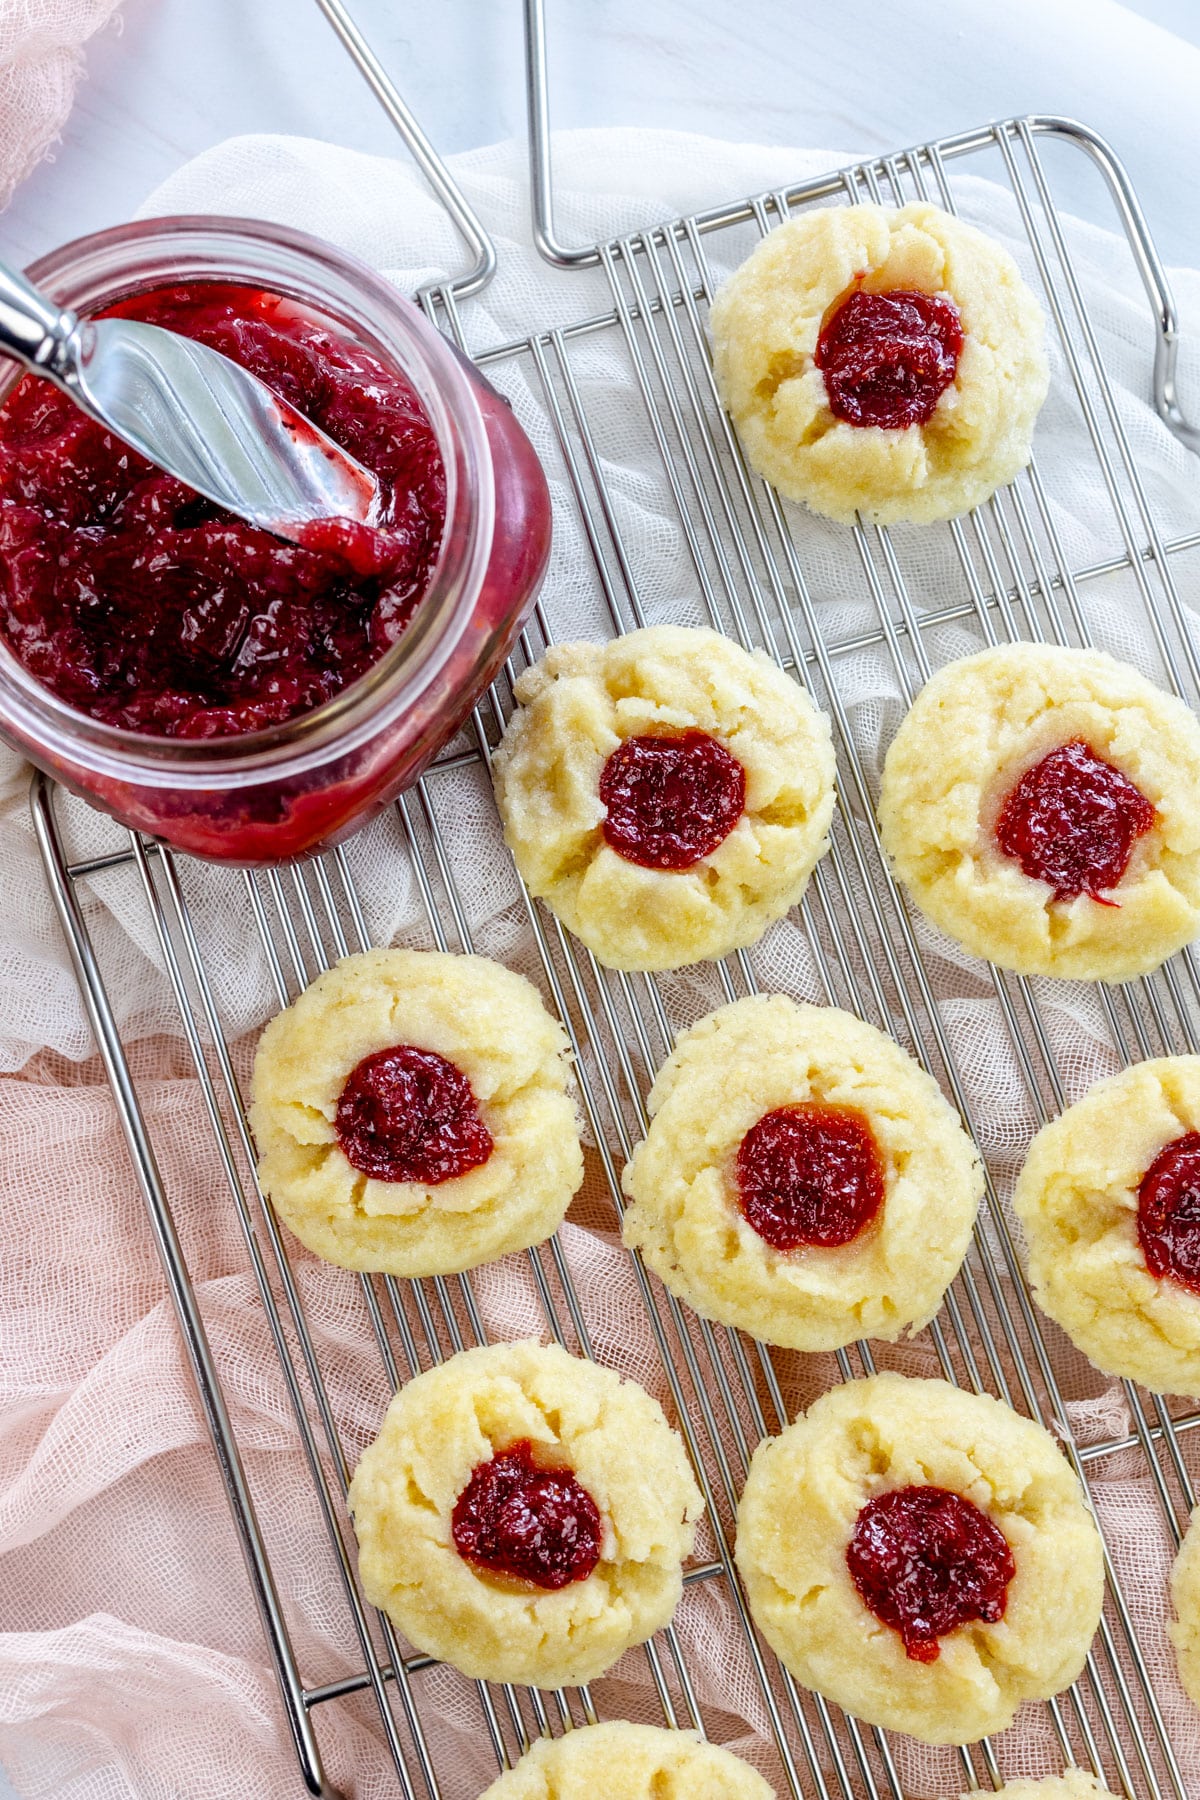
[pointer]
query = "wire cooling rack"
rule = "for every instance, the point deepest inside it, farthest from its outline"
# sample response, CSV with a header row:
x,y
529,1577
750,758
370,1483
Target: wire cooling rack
x,y
748,558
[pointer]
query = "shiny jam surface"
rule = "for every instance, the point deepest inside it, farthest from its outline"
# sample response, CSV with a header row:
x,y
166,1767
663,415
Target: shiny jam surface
x,y
145,606
1168,1220
888,358
925,1561
671,800
410,1115
537,1525
1072,821
809,1174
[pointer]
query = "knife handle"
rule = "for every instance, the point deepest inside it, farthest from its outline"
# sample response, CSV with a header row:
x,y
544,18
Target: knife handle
x,y
36,331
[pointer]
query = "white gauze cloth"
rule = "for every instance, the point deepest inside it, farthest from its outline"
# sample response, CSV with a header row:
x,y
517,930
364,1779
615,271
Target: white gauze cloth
x,y
131,1661
41,62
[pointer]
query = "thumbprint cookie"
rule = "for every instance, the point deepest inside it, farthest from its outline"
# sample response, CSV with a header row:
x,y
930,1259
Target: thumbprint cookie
x,y
888,363
922,1556
413,1113
667,794
524,1515
802,1177
1042,806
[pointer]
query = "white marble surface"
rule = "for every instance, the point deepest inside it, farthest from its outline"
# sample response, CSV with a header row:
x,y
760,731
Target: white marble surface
x,y
860,75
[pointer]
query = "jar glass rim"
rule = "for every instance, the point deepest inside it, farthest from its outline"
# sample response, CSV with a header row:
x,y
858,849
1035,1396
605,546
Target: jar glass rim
x,y
106,266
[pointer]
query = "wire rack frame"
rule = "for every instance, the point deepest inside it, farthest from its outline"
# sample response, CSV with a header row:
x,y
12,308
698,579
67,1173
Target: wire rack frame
x,y
727,1392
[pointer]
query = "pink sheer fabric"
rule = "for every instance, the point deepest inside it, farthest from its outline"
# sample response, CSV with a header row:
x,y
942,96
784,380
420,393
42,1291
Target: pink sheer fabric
x,y
132,1664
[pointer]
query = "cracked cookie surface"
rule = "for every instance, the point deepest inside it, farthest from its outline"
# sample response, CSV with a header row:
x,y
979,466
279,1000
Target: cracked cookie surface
x,y
729,1071
491,1026
608,1432
1077,1199
1184,1628
628,1762
767,321
798,1514
584,703
975,729
1072,1784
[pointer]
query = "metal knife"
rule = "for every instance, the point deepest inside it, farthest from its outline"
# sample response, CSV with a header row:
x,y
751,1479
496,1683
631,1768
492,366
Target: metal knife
x,y
191,411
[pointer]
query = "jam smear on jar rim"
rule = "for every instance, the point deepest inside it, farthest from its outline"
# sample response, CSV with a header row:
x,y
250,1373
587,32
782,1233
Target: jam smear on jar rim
x,y
538,1525
1072,821
888,358
1168,1216
407,1114
809,1174
926,1560
670,799
143,605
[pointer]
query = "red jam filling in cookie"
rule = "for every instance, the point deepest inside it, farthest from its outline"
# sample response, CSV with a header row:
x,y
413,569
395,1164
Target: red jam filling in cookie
x,y
409,1115
888,358
538,1525
1072,821
809,1174
1168,1221
926,1561
671,800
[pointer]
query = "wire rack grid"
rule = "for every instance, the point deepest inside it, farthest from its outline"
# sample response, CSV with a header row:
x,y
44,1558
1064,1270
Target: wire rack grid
x,y
747,555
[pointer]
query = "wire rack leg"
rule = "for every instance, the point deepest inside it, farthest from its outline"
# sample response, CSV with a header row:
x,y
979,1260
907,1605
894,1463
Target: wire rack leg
x,y
183,1294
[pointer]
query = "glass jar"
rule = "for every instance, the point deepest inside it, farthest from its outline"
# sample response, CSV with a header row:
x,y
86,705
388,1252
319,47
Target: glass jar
x,y
296,788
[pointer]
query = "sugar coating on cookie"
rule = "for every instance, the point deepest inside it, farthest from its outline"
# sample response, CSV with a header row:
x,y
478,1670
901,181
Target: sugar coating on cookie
x,y
799,1511
1184,1628
1077,1198
486,1030
984,726
1072,1784
628,1762
767,326
735,1068
580,708
455,1419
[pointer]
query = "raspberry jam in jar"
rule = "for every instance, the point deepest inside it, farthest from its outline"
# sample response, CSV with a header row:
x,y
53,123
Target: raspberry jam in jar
x,y
532,1524
246,699
145,606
